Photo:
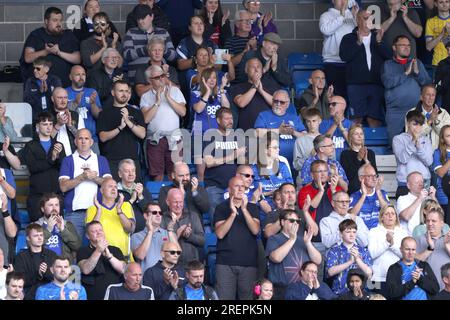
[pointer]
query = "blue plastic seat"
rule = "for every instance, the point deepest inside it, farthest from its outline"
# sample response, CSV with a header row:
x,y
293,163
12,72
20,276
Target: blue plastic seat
x,y
154,186
24,218
21,242
210,242
210,251
306,60
300,80
211,268
206,219
376,136
381,150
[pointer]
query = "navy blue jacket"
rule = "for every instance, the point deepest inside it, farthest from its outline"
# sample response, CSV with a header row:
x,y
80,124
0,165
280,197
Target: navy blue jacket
x,y
299,291
357,71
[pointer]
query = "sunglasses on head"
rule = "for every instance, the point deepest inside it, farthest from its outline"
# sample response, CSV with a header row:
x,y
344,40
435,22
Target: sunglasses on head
x,y
173,252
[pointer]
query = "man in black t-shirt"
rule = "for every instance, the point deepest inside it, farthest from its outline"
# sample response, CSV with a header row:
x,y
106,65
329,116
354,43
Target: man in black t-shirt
x,y
255,95
100,263
60,46
121,130
237,224
220,157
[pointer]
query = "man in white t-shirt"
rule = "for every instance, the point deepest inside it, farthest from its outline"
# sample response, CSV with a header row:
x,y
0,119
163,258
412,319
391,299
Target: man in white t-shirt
x,y
81,174
408,206
334,24
162,106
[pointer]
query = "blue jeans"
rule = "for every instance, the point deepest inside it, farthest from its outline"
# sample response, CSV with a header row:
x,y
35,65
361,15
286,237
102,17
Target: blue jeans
x,y
215,195
78,219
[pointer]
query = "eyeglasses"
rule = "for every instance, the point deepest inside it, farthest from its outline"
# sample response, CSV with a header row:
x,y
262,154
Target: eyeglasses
x,y
279,102
158,77
342,201
100,23
173,252
254,2
293,220
247,175
370,176
334,104
37,68
311,271
156,212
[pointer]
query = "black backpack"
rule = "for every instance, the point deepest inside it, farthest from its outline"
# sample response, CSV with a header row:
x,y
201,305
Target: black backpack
x,y
10,74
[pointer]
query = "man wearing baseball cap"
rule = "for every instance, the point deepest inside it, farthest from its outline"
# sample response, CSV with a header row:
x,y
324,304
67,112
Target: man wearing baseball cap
x,y
267,53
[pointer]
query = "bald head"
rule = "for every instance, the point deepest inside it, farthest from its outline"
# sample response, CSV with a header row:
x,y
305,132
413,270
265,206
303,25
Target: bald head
x,y
77,77
234,180
181,174
174,193
58,91
133,267
175,201
169,245
83,132
60,99
180,166
337,105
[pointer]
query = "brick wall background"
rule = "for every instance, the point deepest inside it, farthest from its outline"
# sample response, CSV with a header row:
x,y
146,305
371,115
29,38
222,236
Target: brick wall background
x,y
297,23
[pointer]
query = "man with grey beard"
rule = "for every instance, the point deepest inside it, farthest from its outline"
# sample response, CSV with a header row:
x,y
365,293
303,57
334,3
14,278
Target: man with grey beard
x,y
286,124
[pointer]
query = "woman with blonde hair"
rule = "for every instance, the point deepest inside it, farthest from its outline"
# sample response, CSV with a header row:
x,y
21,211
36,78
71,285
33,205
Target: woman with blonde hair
x,y
427,206
441,166
356,156
205,102
384,246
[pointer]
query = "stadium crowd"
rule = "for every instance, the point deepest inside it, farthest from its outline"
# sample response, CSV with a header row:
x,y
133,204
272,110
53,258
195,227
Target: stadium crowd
x,y
262,194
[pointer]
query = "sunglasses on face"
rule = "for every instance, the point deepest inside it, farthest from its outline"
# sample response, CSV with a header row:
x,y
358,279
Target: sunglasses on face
x,y
37,68
156,212
293,220
100,23
342,201
279,102
158,77
173,252
247,175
